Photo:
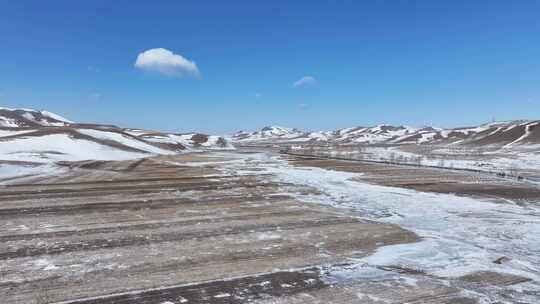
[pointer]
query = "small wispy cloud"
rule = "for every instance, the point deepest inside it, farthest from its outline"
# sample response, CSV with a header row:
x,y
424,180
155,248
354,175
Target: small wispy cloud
x,y
166,62
303,106
94,96
305,81
258,95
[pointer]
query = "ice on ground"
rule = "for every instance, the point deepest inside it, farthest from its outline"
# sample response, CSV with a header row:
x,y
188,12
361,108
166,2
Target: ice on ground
x,y
451,158
263,236
222,295
45,264
460,235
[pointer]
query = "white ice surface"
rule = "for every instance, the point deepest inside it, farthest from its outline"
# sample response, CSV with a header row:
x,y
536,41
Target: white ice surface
x,y
460,235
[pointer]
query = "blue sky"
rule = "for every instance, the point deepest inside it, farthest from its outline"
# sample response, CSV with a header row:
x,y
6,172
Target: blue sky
x,y
446,63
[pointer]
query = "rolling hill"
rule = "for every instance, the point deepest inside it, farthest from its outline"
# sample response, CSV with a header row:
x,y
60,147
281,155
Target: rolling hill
x,y
39,137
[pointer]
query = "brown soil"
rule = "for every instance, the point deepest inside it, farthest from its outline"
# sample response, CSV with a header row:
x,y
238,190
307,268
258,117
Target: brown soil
x,y
119,230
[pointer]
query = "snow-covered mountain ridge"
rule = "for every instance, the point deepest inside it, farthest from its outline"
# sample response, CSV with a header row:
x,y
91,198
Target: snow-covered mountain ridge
x,y
506,134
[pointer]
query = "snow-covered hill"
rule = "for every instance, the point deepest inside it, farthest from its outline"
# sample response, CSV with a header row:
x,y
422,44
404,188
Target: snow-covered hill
x,y
17,118
268,133
502,134
370,135
32,136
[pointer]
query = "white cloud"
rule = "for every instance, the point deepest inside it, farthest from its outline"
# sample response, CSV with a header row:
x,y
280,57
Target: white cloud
x,y
94,96
306,80
166,62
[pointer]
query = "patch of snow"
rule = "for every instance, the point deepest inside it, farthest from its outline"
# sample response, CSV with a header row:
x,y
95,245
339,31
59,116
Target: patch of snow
x,y
4,133
12,171
522,137
213,143
127,141
29,116
263,236
57,147
136,132
55,116
363,297
8,122
45,264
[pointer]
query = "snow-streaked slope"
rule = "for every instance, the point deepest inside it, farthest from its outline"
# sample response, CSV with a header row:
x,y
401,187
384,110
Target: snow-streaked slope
x,y
126,140
60,147
508,134
12,132
41,137
75,144
377,134
15,118
190,140
55,116
268,133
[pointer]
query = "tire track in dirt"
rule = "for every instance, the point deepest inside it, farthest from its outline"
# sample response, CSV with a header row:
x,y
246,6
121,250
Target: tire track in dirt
x,y
141,240
66,193
120,206
236,290
138,227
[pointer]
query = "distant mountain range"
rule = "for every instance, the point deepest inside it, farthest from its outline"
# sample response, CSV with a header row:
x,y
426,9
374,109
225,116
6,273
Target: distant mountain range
x,y
507,134
28,135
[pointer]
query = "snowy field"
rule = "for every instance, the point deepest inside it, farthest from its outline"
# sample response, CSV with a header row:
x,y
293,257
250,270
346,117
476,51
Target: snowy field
x,y
512,162
460,235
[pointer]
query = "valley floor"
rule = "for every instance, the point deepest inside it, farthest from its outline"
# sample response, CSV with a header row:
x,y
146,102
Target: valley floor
x,y
236,227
